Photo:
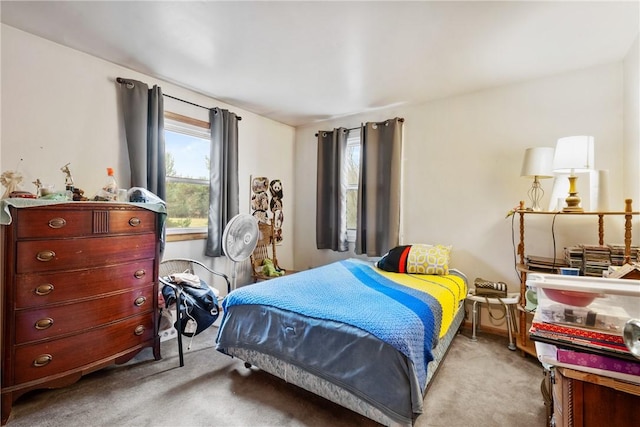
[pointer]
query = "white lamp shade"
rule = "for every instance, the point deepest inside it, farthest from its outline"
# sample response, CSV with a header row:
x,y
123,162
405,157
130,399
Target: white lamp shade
x,y
538,162
574,154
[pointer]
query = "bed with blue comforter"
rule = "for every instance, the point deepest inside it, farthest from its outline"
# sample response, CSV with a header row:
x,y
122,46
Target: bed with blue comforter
x,y
367,339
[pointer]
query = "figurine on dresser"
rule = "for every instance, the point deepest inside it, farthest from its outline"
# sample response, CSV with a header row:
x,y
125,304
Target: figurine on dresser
x,y
11,181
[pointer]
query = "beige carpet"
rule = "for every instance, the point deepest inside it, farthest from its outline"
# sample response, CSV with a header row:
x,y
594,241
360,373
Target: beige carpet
x,y
480,384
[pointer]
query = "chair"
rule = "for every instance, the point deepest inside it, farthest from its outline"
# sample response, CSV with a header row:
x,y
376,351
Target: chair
x,y
266,248
509,303
184,265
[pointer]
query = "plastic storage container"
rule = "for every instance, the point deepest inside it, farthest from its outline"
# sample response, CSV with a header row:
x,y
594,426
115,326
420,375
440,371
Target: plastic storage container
x,y
580,324
586,302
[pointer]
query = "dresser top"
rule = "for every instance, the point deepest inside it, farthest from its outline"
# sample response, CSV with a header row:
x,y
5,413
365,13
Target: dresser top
x,y
5,204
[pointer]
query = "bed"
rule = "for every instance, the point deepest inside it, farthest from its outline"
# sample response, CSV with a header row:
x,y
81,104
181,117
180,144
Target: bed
x,y
367,339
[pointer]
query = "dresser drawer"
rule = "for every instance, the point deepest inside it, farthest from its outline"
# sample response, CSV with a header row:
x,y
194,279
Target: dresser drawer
x,y
52,321
58,223
71,254
47,288
56,356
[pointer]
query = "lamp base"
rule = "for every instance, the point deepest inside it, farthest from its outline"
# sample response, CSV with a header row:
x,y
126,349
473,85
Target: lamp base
x,y
573,201
535,194
572,209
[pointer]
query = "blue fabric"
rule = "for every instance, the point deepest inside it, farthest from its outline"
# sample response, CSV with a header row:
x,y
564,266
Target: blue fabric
x,y
352,292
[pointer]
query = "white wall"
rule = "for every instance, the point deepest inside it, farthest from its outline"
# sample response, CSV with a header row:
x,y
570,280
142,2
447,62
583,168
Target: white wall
x,y
60,106
632,125
462,160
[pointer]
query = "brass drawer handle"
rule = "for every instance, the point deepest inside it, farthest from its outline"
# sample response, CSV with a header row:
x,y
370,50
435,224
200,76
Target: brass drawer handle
x,y
139,274
140,301
57,222
139,330
45,256
45,289
135,221
42,360
45,323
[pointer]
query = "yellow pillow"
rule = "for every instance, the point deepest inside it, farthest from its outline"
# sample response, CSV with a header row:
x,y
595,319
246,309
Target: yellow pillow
x,y
417,259
428,259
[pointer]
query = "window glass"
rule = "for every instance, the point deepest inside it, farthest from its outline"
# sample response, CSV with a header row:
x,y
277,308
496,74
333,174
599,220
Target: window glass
x,y
187,150
352,170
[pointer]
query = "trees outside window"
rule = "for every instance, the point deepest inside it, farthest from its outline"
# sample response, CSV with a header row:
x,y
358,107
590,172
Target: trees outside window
x,y
187,148
352,170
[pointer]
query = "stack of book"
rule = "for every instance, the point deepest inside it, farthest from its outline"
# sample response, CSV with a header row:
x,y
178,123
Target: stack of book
x,y
580,339
544,264
617,254
586,347
592,260
597,260
573,256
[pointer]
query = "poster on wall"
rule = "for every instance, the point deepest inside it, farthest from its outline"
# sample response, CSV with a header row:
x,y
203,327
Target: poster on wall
x,y
266,203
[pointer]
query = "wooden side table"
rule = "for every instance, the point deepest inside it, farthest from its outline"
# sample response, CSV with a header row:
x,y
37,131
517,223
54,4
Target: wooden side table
x,y
583,399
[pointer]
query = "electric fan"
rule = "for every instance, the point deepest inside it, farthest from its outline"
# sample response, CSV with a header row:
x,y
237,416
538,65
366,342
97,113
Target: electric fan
x,y
239,239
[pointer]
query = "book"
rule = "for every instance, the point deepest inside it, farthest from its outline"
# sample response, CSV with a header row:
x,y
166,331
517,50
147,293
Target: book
x,y
544,264
585,333
598,361
578,339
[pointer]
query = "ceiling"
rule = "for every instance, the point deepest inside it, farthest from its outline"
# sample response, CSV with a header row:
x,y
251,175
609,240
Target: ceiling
x,y
302,62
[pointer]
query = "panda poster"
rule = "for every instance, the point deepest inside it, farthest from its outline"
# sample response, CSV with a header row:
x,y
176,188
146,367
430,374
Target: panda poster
x,y
266,203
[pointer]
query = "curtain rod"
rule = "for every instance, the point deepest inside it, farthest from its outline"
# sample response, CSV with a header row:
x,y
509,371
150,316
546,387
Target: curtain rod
x,y
124,81
401,120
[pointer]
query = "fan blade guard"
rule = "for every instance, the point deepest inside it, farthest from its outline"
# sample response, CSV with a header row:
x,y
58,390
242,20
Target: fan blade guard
x,y
240,237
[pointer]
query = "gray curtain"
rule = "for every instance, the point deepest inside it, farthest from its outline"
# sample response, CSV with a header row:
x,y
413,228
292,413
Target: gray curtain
x,y
331,191
378,226
143,111
223,186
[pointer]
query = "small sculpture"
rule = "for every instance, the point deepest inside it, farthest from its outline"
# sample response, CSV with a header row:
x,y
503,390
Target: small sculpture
x,y
68,180
11,181
38,185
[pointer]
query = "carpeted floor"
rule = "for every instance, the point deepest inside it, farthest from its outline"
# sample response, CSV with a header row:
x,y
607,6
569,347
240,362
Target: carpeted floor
x,y
479,384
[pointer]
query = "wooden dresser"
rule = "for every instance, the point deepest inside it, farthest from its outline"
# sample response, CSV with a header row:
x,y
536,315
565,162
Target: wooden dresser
x,y
79,292
582,399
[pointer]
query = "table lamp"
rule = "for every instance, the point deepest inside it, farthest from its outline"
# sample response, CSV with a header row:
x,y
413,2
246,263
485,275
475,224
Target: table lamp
x,y
573,154
537,164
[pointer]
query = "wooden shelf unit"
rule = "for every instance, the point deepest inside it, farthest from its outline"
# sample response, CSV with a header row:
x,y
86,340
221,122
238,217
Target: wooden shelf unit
x,y
523,342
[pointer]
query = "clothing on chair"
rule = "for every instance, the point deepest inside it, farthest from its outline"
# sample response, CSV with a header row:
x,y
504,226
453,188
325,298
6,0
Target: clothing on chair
x,y
198,305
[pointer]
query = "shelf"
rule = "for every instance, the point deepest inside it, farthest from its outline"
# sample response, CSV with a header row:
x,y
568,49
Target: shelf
x,y
524,347
524,343
575,213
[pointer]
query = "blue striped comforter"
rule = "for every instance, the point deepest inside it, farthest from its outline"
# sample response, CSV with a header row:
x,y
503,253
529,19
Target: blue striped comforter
x,y
352,292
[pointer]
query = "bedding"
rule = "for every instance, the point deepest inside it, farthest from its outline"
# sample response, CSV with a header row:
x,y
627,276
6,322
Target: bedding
x,y
417,259
369,333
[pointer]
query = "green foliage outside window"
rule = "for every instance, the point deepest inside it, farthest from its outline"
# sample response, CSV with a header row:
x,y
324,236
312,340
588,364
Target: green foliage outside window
x,y
187,205
352,176
187,199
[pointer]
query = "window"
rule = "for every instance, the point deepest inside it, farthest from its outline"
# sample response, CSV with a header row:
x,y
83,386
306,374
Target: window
x,y
353,172
187,150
